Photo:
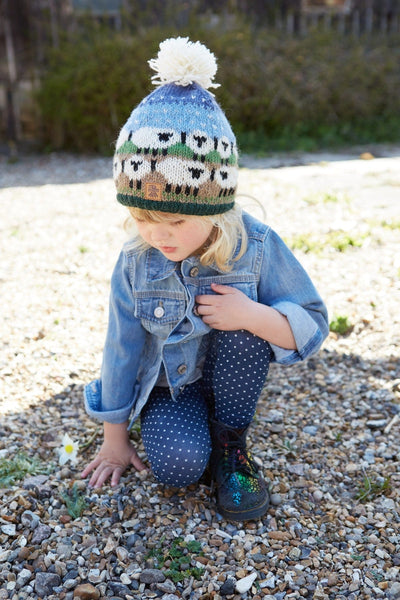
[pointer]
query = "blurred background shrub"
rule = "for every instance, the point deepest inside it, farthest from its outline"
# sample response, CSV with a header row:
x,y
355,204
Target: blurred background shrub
x,y
279,92
290,79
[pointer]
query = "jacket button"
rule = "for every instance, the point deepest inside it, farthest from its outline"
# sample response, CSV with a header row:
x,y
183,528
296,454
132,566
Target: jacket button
x,y
194,271
182,369
159,312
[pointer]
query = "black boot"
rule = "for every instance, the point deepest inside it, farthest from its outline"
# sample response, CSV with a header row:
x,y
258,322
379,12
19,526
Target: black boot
x,y
242,493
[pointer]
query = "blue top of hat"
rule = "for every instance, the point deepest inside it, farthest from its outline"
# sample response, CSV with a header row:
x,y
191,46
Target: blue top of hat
x,y
185,108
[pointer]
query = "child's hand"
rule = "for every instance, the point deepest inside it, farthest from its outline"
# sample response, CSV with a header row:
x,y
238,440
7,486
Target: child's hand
x,y
111,461
227,310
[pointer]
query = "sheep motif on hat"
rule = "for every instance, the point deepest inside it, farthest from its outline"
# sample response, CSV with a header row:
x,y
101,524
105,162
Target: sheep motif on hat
x,y
177,152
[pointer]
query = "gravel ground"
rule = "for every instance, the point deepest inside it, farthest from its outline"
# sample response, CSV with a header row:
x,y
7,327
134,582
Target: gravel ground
x,y
326,431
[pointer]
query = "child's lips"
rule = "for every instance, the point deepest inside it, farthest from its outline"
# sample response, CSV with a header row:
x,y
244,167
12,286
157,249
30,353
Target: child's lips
x,y
167,249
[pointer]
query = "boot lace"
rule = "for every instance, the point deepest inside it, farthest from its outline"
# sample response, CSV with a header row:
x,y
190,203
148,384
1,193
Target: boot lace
x,y
237,460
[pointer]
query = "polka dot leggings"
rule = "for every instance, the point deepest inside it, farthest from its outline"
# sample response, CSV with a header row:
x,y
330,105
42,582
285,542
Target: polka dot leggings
x,y
175,433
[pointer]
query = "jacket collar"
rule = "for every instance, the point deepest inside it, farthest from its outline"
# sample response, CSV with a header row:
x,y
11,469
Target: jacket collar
x,y
158,267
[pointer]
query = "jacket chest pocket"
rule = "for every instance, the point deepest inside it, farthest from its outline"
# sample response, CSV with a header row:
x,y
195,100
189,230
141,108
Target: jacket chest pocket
x,y
159,312
245,283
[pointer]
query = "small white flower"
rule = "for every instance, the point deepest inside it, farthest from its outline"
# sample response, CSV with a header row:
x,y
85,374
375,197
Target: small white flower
x,y
68,451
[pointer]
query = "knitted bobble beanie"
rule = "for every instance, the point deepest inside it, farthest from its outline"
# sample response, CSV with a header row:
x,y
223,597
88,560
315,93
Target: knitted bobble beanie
x,y
177,152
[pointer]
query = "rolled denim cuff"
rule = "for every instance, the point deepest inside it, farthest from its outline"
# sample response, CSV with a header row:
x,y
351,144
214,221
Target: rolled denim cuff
x,y
307,334
92,394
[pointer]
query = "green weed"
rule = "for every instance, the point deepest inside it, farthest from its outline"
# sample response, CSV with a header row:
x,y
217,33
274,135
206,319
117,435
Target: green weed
x,y
358,557
305,243
390,224
16,468
338,240
369,489
179,555
74,501
340,325
326,198
288,447
376,575
83,249
342,240
136,426
90,441
136,430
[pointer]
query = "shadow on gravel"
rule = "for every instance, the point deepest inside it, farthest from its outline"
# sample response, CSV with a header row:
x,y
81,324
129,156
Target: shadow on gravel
x,y
54,169
334,407
327,437
63,168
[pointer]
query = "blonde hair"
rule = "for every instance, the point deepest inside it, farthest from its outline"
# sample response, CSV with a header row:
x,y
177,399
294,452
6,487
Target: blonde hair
x,y
220,248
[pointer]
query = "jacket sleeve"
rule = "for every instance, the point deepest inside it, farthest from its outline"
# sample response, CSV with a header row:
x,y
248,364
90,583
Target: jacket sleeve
x,y
111,399
285,286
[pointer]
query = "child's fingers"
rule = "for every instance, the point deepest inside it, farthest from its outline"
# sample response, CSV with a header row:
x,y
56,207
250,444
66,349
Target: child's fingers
x,y
138,463
207,300
99,477
212,298
85,472
204,309
223,289
116,476
89,468
103,470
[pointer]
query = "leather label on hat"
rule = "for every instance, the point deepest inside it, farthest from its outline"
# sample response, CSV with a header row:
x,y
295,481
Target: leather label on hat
x,y
153,191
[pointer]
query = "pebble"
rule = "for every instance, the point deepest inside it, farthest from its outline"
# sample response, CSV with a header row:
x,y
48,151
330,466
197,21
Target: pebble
x,y
152,576
24,576
118,589
166,586
244,584
310,429
46,582
276,499
376,423
29,519
394,591
269,581
323,429
228,587
9,529
86,591
41,533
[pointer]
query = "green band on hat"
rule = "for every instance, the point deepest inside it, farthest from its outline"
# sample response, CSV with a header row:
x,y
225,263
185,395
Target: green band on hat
x,y
174,206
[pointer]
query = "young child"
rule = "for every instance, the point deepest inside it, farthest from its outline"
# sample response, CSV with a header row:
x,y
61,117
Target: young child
x,y
202,300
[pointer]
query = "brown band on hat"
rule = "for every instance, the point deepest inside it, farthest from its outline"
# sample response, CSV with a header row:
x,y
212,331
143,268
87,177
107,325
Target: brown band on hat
x,y
153,191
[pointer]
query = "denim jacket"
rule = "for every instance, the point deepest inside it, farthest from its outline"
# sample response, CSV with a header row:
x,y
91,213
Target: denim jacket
x,y
153,326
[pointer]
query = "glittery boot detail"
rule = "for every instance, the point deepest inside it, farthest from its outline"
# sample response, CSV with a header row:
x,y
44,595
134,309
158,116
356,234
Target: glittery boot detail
x,y
242,493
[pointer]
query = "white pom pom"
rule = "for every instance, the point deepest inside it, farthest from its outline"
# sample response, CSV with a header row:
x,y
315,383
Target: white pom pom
x,y
183,62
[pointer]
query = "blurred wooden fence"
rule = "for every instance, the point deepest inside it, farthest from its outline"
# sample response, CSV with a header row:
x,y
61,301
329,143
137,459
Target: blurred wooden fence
x,y
355,24
294,17
352,20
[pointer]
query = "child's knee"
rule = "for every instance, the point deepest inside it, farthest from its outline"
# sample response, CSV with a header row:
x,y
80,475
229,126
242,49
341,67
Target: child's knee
x,y
180,469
